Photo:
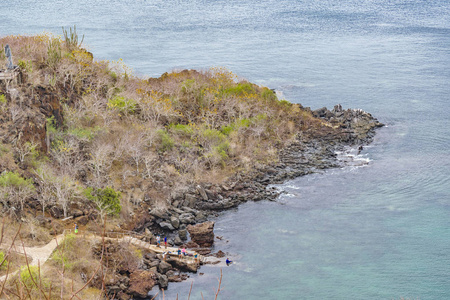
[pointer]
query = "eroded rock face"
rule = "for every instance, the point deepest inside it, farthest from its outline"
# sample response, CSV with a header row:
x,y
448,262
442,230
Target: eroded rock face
x,y
29,114
141,282
202,234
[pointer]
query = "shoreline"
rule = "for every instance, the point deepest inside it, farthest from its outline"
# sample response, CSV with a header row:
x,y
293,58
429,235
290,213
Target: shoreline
x,y
307,154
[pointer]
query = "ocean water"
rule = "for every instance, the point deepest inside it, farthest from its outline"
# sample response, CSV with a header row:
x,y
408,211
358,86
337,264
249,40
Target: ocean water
x,y
374,230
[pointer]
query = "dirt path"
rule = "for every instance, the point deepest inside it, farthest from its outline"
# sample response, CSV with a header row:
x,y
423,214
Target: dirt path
x,y
39,255
36,255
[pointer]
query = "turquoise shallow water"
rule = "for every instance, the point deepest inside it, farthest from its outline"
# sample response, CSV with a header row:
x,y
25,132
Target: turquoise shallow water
x,y
380,231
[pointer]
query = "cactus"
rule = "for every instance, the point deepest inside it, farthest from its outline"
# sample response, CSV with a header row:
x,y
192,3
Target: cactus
x,y
71,38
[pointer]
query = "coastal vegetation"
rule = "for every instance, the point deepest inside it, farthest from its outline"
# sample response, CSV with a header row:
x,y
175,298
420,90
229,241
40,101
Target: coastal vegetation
x,y
86,140
109,128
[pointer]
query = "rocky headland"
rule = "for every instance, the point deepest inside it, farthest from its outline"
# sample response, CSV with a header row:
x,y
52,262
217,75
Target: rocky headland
x,y
84,141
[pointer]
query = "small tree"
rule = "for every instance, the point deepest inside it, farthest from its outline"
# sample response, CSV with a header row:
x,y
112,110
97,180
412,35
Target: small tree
x,y
46,195
107,200
65,191
24,150
14,189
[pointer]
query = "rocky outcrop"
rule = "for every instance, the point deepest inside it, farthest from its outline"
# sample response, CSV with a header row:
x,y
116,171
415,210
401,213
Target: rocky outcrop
x,y
141,282
202,234
183,265
29,114
357,126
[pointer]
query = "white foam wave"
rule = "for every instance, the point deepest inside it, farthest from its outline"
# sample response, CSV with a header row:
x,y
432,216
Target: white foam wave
x,y
353,158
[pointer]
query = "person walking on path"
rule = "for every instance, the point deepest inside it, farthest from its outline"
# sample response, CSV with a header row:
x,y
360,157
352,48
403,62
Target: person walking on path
x,y
158,241
165,241
179,253
76,228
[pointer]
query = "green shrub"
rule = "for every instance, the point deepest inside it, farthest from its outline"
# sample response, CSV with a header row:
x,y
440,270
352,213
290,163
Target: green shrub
x,y
2,99
84,133
51,125
166,142
259,117
29,276
218,155
122,104
106,199
4,265
15,180
113,76
214,136
181,129
222,150
25,66
268,94
285,103
240,89
62,255
188,85
228,129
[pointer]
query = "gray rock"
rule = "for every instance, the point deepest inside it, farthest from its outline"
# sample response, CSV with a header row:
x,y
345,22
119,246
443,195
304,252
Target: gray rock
x,y
187,218
177,210
159,213
76,213
166,225
210,194
190,200
200,217
202,192
177,241
114,288
154,264
175,222
163,267
189,210
163,281
148,233
182,234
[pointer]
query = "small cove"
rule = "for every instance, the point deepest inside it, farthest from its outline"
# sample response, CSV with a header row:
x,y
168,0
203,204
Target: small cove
x,y
380,231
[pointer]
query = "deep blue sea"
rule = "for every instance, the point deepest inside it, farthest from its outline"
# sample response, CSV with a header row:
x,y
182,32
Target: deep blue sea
x,y
378,231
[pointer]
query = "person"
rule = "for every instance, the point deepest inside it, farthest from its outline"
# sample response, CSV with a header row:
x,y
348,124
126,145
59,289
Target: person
x,y
183,251
76,228
165,241
196,257
179,253
360,148
158,241
228,262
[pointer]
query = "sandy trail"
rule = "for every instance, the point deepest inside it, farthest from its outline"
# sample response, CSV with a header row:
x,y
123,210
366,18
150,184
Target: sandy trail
x,y
36,255
39,255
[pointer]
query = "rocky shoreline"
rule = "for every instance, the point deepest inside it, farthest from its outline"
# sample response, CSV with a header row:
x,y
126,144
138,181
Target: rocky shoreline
x,y
310,152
